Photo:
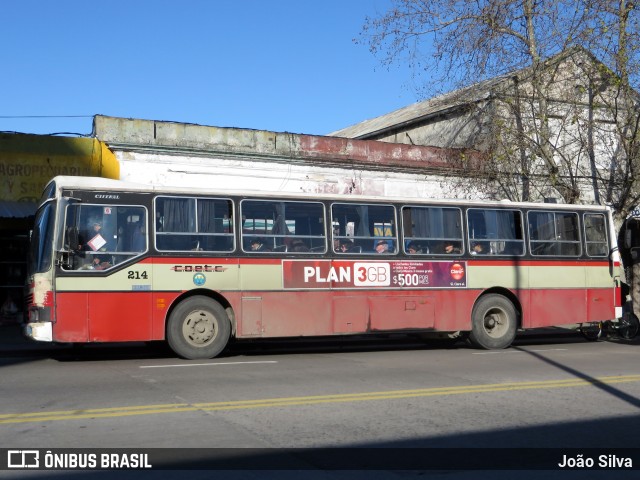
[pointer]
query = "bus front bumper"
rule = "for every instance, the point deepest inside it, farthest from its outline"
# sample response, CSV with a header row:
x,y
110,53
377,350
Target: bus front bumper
x,y
40,331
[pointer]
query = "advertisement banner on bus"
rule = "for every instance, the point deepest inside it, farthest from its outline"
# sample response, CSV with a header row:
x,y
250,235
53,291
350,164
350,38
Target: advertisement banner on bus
x,y
371,274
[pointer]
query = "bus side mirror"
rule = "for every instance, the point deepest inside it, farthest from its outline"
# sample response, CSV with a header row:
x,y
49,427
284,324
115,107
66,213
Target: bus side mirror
x,y
627,238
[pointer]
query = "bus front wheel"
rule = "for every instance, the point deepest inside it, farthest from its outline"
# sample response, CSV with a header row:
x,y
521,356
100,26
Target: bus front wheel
x,y
493,322
198,328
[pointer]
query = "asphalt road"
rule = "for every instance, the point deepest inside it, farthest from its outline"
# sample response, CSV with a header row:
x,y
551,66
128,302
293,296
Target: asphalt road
x,y
552,391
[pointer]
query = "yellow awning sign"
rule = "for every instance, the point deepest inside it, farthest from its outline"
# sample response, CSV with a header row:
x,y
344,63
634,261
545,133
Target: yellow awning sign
x,y
28,162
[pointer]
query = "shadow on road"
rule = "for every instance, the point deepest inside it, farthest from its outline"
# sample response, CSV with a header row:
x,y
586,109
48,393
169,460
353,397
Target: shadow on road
x,y
14,348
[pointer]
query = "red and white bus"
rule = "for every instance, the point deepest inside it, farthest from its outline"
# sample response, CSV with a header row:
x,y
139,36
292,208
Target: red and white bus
x,y
114,262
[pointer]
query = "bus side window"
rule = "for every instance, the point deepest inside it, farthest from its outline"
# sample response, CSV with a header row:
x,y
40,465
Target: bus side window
x,y
270,226
370,227
432,230
193,224
595,235
554,233
495,231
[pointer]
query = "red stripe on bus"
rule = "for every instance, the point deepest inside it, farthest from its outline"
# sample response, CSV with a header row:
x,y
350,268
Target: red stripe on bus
x,y
98,316
538,263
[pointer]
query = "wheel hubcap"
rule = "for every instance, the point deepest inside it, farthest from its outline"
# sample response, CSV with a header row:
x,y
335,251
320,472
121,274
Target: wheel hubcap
x,y
495,323
199,328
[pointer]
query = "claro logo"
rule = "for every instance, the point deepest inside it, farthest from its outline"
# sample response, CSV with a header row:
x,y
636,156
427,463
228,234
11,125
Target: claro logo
x,y
457,271
198,268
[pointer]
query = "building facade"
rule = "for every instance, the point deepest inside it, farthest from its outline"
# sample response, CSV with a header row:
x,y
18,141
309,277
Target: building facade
x,y
576,155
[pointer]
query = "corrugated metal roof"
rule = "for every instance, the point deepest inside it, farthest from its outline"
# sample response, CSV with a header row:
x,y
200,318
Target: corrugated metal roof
x,y
17,209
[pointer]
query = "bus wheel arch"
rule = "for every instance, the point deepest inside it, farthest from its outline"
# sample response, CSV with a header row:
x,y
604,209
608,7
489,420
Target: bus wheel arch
x,y
494,320
199,325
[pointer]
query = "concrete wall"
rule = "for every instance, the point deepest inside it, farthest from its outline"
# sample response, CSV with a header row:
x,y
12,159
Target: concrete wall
x,y
170,153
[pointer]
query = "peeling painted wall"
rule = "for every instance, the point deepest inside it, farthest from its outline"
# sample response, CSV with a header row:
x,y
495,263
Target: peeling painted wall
x,y
169,153
227,174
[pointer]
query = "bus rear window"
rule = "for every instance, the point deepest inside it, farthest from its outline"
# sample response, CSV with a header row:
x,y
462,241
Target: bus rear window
x,y
595,235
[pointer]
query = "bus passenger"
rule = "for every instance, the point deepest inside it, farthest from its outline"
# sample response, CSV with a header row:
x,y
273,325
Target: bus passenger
x,y
413,248
449,247
477,248
336,241
91,240
138,240
299,246
91,234
382,246
257,245
345,246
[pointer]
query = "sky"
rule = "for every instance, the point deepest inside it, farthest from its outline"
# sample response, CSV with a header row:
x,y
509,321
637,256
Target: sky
x,y
279,65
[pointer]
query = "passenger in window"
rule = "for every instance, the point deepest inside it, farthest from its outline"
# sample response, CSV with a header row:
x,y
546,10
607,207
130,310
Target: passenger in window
x,y
382,246
345,246
478,248
450,248
138,242
413,248
257,245
299,246
91,240
336,241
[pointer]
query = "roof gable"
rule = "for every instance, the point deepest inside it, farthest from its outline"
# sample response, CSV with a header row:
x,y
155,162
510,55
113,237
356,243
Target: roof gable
x,y
450,101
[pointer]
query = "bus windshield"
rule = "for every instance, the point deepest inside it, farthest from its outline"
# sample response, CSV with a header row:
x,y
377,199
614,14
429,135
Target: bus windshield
x,y
41,249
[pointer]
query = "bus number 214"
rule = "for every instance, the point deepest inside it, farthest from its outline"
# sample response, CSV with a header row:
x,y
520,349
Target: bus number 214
x,y
136,275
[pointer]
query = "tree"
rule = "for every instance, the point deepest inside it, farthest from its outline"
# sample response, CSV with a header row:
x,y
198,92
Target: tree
x,y
615,37
543,141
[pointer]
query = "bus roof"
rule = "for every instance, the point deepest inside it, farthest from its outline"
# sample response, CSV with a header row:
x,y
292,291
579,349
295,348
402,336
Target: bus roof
x,y
107,184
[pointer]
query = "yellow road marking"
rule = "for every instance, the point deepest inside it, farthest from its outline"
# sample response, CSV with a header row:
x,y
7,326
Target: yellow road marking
x,y
8,418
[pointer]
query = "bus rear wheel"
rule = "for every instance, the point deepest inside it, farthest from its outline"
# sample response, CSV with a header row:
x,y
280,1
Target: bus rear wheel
x,y
493,323
198,328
